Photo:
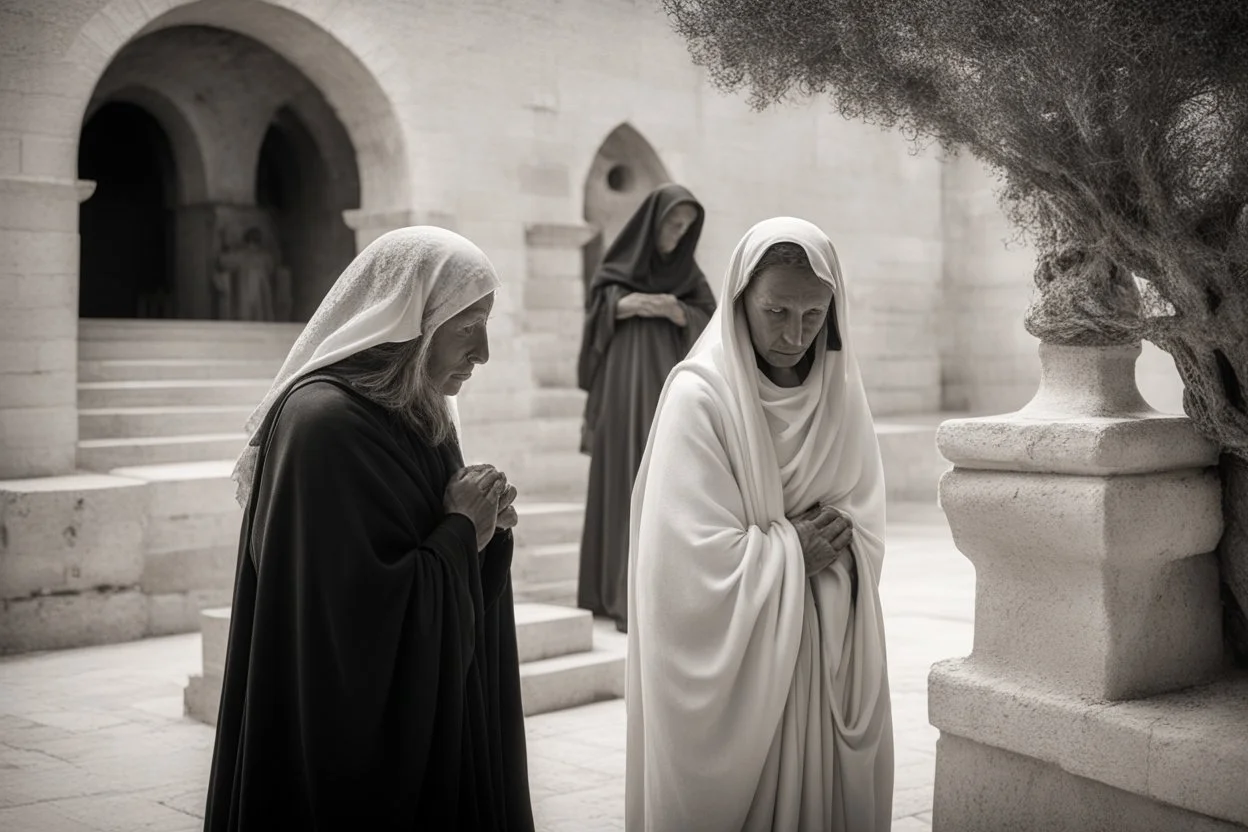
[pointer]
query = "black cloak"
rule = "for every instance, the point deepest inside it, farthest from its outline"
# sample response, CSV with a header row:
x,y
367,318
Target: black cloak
x,y
623,365
372,677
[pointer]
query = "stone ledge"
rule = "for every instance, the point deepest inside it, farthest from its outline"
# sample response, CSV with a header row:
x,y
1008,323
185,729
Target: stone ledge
x,y
558,235
69,534
982,788
1186,749
1088,446
84,619
999,516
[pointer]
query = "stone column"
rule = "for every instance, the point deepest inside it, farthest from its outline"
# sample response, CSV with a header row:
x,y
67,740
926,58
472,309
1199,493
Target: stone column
x,y
1091,521
39,325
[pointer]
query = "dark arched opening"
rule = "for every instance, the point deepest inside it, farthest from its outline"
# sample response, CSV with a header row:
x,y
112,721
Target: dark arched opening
x,y
303,201
126,227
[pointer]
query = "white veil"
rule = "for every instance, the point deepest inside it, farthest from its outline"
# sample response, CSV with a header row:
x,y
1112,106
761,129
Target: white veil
x,y
405,284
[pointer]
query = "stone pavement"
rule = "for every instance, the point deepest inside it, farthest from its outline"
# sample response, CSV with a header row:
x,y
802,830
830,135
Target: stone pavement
x,y
94,739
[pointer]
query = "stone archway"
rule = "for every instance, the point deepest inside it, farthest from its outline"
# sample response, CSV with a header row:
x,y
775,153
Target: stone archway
x,y
266,154
625,169
360,97
57,70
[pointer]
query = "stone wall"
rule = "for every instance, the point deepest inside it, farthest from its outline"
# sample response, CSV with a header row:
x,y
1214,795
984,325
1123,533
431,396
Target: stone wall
x,y
485,128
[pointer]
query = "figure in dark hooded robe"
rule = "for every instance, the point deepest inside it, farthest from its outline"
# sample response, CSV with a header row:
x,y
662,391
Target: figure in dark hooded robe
x,y
645,307
372,679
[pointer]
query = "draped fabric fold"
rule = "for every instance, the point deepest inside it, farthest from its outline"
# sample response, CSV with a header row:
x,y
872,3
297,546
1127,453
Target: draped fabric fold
x,y
757,698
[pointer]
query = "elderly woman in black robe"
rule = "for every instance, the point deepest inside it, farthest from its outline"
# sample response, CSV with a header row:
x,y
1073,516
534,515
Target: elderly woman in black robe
x,y
372,676
647,304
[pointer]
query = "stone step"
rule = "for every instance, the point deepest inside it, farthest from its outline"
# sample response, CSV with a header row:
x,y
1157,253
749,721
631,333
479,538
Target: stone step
x,y
206,569
138,422
539,565
546,524
559,593
109,349
555,476
486,407
200,531
111,454
519,434
186,488
177,613
156,329
570,681
241,392
546,632
559,667
543,631
159,369
559,403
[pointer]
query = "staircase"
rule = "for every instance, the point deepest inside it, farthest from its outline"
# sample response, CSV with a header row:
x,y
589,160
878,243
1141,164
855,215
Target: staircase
x,y
559,666
164,402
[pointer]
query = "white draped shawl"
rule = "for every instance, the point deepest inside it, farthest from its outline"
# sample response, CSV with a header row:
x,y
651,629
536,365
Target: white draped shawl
x,y
757,698
406,283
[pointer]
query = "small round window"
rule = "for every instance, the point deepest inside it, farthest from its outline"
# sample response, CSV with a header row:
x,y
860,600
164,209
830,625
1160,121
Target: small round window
x,y
619,178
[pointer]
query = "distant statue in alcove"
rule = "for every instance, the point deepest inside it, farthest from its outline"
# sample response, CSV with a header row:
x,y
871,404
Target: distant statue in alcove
x,y
244,279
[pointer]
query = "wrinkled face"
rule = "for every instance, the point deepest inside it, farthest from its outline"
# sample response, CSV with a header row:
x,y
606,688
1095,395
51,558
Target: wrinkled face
x,y
674,225
459,345
785,307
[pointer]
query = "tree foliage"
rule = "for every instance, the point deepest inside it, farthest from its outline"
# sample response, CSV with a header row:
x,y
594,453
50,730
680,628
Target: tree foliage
x,y
1120,128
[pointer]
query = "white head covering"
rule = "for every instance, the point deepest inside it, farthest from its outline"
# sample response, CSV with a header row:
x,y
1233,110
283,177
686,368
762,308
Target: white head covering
x,y
404,284
828,451
757,698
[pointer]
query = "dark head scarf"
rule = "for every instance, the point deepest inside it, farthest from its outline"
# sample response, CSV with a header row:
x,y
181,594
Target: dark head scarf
x,y
633,262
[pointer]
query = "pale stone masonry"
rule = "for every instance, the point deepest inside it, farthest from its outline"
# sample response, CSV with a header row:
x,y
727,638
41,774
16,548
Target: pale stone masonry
x,y
1097,695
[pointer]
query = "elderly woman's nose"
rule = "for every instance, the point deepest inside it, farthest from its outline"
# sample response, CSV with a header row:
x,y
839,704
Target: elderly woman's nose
x,y
480,349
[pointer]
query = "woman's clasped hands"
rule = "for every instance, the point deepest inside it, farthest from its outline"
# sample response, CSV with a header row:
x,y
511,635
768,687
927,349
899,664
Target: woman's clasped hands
x,y
826,535
481,493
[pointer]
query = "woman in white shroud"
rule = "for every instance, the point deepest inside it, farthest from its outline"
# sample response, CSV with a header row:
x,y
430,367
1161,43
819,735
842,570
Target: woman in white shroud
x,y
757,690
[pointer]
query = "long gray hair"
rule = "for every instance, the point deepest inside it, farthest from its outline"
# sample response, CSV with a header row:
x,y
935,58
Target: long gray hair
x,y
395,375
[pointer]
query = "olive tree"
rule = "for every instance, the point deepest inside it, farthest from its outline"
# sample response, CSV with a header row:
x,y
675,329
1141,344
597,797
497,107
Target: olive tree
x,y
1119,129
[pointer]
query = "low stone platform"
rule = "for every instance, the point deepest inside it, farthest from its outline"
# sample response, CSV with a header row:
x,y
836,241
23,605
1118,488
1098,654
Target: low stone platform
x,y
1140,762
560,667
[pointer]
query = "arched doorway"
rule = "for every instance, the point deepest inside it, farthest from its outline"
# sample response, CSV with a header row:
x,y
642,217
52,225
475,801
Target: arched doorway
x,y
624,170
253,151
126,227
304,203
